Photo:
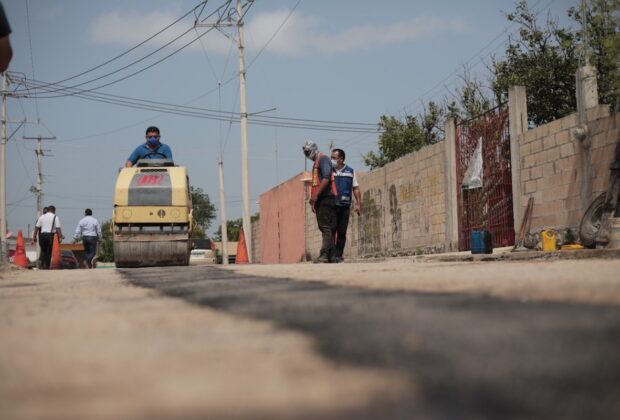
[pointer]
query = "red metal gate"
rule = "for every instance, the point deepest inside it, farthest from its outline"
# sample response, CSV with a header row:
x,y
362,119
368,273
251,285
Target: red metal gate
x,y
484,195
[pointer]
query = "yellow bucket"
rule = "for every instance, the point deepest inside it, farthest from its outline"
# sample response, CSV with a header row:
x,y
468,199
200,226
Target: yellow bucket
x,y
549,239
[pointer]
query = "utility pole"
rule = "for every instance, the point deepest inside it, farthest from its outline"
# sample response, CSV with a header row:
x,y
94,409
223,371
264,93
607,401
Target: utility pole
x,y
38,190
247,227
3,224
223,214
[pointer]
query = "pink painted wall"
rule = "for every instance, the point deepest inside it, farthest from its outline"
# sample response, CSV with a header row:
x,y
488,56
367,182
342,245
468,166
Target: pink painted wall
x,y
282,223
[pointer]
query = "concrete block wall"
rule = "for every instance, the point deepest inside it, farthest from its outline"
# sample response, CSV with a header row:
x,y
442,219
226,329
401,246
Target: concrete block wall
x,y
282,222
256,245
403,209
550,162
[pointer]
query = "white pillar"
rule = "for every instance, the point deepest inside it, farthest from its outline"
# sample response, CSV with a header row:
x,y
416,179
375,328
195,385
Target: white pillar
x,y
517,117
451,199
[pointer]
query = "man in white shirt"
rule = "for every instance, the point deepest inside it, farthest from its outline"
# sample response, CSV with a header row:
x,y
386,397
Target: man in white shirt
x,y
47,225
90,231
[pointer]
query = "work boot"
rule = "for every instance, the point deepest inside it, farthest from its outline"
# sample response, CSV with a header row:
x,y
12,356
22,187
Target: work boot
x,y
321,259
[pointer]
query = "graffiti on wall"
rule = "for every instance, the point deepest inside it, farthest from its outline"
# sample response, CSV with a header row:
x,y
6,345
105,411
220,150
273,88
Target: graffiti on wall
x,y
369,223
396,214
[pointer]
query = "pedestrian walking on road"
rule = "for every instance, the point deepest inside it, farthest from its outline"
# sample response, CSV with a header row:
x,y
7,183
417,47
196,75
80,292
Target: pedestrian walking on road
x,y
46,227
322,196
89,230
151,149
34,234
346,187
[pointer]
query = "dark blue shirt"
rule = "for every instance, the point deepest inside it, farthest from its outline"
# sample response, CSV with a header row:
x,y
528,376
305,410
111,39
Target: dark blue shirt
x,y
325,171
145,152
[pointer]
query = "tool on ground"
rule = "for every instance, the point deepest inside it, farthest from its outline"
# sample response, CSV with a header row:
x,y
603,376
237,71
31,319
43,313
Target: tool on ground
x,y
525,224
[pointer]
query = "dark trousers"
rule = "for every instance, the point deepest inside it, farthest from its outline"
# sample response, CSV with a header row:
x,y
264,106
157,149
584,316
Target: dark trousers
x,y
326,219
90,249
342,223
46,240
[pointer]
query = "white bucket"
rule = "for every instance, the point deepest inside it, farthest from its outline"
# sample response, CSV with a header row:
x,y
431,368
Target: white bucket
x,y
614,232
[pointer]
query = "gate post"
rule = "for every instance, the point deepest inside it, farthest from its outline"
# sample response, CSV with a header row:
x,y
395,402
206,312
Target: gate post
x,y
517,117
451,199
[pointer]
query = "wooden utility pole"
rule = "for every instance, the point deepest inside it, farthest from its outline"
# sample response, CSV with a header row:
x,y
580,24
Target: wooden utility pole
x,y
40,152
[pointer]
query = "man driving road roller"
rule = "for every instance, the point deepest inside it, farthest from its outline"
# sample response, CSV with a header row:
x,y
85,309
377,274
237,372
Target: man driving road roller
x,y
151,149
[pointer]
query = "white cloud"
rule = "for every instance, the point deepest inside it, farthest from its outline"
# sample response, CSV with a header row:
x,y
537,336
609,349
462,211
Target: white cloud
x,y
130,28
302,34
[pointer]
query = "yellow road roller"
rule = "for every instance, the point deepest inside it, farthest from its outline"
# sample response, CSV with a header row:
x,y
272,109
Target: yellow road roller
x,y
152,216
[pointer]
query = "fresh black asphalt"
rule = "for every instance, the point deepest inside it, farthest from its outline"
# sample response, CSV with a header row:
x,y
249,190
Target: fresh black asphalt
x,y
468,356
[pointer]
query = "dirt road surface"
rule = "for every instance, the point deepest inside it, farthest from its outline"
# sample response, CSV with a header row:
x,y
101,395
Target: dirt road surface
x,y
202,342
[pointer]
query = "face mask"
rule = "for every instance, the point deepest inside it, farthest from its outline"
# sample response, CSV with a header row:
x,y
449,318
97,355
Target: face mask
x,y
152,141
334,163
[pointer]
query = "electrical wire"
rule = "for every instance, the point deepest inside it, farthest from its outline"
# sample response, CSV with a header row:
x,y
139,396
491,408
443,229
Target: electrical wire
x,y
36,103
197,112
132,48
72,92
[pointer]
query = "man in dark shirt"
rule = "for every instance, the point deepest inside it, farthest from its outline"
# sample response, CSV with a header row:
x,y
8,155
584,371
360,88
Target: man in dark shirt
x,y
322,197
6,52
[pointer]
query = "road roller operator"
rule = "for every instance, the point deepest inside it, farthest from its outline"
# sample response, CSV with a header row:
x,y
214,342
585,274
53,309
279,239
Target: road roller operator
x,y
151,149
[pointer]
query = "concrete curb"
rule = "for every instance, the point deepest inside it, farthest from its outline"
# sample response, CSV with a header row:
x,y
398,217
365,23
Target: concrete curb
x,y
501,254
580,254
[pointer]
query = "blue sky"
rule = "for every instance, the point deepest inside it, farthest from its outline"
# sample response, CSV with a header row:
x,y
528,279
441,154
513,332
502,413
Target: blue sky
x,y
346,61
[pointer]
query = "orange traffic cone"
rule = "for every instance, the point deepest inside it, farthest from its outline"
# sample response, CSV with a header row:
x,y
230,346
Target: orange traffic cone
x,y
56,263
242,250
20,259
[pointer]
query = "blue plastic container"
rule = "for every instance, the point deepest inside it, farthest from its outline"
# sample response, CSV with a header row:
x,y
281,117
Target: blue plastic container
x,y
481,242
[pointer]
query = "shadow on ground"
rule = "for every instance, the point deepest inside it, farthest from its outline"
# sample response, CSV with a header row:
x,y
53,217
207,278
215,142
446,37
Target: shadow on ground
x,y
469,356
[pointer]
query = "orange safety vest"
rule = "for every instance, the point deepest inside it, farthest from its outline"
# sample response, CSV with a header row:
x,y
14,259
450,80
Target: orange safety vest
x,y
316,180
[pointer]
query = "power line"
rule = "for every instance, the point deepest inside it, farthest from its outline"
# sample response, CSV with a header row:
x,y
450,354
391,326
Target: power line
x,y
132,48
478,55
36,103
73,92
205,113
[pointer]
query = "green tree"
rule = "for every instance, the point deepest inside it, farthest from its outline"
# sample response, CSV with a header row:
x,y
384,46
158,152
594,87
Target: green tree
x,y
543,59
203,211
469,100
399,138
106,246
233,227
601,44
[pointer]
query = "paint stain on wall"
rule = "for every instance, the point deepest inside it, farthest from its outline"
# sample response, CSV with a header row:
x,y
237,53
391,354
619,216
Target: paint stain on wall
x,y
396,214
369,224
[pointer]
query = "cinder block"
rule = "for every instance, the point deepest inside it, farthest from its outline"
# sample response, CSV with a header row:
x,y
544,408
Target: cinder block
x,y
536,172
574,217
548,142
525,149
569,121
553,154
562,137
528,161
554,126
597,112
530,135
549,220
537,145
567,149
548,169
530,187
